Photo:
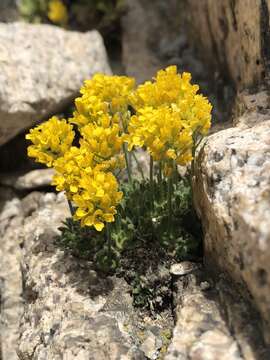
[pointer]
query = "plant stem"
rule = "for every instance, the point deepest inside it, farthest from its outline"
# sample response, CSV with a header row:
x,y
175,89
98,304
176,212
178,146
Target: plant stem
x,y
160,173
127,163
109,242
170,194
152,182
138,164
71,208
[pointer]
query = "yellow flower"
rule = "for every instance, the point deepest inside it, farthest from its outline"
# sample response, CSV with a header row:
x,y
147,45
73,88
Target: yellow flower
x,y
97,199
104,142
50,140
168,87
103,96
57,12
163,132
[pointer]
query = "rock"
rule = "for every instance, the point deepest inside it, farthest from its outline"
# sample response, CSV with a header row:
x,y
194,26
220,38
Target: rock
x,y
232,38
11,287
151,346
8,11
70,311
183,268
36,83
147,28
200,332
32,180
213,323
232,198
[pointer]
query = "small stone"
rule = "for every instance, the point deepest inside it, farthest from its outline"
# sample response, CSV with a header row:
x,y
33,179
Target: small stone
x,y
151,346
32,180
204,285
183,268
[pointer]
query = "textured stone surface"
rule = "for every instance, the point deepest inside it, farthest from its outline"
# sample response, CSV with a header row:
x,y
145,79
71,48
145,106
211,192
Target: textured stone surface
x,y
150,30
213,322
232,197
8,10
31,180
42,67
11,302
233,36
70,312
200,332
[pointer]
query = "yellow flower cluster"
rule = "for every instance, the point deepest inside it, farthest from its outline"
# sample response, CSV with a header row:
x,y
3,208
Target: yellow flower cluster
x,y
169,119
85,172
93,190
104,99
57,12
163,133
50,140
170,115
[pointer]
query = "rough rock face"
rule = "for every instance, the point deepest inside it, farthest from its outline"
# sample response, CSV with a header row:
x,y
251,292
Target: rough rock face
x,y
70,312
11,309
150,30
41,69
233,36
232,197
34,179
8,10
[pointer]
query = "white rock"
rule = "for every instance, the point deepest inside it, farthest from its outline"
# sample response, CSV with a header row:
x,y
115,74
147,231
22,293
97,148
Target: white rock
x,y
42,68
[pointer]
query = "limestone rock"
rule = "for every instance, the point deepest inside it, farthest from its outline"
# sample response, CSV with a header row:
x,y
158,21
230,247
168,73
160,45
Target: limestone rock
x,y
70,312
232,198
200,332
232,36
11,287
31,180
148,27
42,68
8,10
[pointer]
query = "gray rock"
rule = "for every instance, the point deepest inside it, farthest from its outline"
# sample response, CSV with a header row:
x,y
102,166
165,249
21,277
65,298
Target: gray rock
x,y
183,268
32,180
151,346
42,68
70,312
147,28
232,199
8,11
11,287
200,332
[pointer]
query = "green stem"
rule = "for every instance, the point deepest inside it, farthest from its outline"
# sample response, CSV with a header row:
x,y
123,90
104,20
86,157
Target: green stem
x,y
71,208
170,195
152,181
127,163
138,164
109,242
159,173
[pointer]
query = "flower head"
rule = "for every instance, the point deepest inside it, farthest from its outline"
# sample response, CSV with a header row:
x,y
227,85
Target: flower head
x,y
51,140
57,12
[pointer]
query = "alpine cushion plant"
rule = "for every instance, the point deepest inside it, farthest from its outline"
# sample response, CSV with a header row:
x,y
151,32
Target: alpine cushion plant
x,y
166,117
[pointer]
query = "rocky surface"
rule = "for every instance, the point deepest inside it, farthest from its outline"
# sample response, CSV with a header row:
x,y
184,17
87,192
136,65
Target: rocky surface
x,y
8,11
232,199
232,36
11,302
42,68
70,312
212,320
150,30
55,305
34,179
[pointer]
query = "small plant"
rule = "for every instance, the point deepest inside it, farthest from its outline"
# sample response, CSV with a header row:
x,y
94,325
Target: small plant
x,y
100,13
90,151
